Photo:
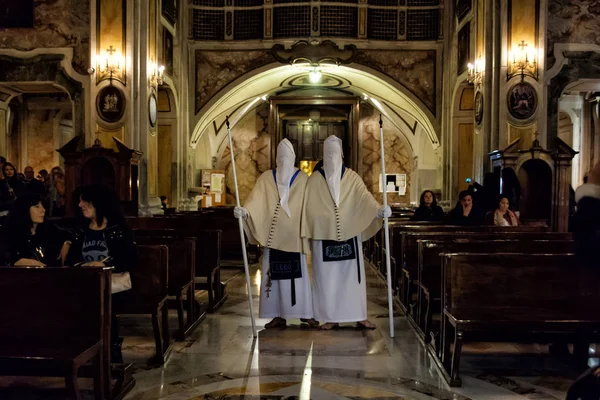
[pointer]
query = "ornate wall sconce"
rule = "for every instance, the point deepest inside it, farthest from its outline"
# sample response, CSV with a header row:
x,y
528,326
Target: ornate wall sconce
x,y
110,65
523,61
157,75
475,72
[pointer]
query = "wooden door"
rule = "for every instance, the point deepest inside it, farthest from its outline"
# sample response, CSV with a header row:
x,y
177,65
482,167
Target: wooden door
x,y
308,137
465,155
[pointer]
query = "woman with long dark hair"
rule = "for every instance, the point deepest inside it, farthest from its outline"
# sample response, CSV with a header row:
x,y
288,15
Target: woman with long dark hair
x,y
29,240
104,239
428,209
10,188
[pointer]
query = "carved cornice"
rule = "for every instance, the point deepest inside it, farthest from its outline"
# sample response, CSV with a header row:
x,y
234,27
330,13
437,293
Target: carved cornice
x,y
326,52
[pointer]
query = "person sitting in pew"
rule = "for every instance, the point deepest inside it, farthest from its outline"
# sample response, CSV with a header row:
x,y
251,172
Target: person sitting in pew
x,y
29,240
502,216
586,221
104,239
428,209
465,212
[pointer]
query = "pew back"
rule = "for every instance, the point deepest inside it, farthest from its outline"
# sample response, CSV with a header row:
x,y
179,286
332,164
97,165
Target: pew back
x,y
46,308
519,287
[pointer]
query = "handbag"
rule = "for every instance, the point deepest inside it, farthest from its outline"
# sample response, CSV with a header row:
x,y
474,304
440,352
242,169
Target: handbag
x,y
120,282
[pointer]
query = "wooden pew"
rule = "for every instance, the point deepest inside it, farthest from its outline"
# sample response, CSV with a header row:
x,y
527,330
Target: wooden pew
x,y
148,295
540,298
430,272
406,250
182,267
208,254
55,320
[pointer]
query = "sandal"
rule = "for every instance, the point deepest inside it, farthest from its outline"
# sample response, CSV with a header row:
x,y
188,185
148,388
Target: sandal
x,y
313,323
329,325
277,322
366,324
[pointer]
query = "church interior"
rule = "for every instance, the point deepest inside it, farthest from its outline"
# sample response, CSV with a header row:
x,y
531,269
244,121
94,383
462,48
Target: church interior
x,y
179,106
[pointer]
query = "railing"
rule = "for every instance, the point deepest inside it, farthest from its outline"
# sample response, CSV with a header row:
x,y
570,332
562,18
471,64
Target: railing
x,y
408,20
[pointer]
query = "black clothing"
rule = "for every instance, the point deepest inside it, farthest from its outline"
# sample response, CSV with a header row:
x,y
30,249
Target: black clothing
x,y
36,187
118,241
456,217
586,231
44,246
424,213
10,189
94,246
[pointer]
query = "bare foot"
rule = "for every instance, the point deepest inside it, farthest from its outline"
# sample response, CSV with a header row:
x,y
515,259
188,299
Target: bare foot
x,y
328,326
366,324
313,323
276,323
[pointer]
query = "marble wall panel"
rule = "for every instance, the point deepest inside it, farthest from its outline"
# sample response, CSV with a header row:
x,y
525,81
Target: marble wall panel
x,y
40,139
216,69
398,155
572,21
58,23
414,69
252,144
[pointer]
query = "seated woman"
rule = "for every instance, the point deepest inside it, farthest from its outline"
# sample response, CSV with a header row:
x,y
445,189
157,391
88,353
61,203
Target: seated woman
x,y
10,188
502,216
28,240
465,212
104,239
428,209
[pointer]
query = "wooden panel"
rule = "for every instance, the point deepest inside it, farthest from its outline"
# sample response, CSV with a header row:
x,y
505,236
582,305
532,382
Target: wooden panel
x,y
467,99
307,152
465,154
165,136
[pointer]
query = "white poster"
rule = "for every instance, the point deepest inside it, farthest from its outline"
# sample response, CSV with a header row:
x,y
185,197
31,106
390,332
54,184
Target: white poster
x,y
394,183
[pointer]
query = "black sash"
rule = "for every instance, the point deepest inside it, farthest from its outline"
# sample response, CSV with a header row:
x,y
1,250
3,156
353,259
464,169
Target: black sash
x,y
341,251
285,265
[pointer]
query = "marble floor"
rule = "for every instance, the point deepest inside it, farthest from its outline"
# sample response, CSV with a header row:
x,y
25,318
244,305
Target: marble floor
x,y
222,360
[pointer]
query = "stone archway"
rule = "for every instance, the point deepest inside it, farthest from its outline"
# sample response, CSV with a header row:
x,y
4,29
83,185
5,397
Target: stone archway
x,y
47,68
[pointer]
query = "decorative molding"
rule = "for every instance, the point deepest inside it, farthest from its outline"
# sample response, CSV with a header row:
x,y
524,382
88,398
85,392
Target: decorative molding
x,y
317,53
561,59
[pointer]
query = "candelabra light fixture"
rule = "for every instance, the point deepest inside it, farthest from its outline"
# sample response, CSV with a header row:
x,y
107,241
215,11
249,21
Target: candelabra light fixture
x,y
475,72
523,61
157,75
110,65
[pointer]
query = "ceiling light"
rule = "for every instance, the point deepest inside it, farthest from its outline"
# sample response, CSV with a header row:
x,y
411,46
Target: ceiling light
x,y
314,76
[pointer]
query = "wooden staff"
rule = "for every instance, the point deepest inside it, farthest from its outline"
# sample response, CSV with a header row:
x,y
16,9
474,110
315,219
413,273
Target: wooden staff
x,y
242,237
386,231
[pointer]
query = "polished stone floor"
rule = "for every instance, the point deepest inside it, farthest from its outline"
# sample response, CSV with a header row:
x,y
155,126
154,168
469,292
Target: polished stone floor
x,y
222,360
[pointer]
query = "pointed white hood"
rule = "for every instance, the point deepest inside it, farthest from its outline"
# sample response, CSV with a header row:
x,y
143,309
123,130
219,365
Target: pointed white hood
x,y
286,157
332,165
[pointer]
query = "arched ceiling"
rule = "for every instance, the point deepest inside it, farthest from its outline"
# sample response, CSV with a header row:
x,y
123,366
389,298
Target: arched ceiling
x,y
401,107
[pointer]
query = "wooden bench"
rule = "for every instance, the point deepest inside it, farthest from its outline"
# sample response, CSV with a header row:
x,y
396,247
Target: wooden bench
x,y
430,269
405,248
148,295
54,321
516,297
182,267
208,255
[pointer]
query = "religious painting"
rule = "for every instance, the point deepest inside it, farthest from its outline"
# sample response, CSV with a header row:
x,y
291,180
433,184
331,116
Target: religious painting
x,y
478,109
522,100
16,14
110,104
168,51
152,110
464,43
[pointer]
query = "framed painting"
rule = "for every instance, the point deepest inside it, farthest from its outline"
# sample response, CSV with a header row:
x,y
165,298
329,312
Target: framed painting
x,y
522,100
110,104
16,14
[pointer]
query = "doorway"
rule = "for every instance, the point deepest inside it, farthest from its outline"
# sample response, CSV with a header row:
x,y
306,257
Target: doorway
x,y
308,122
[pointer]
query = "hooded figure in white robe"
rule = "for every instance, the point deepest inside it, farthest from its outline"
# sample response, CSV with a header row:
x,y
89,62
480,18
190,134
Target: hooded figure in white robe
x,y
339,213
272,215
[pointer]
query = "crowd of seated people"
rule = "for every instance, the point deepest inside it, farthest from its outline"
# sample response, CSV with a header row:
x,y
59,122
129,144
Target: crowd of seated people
x,y
50,187
479,205
101,238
